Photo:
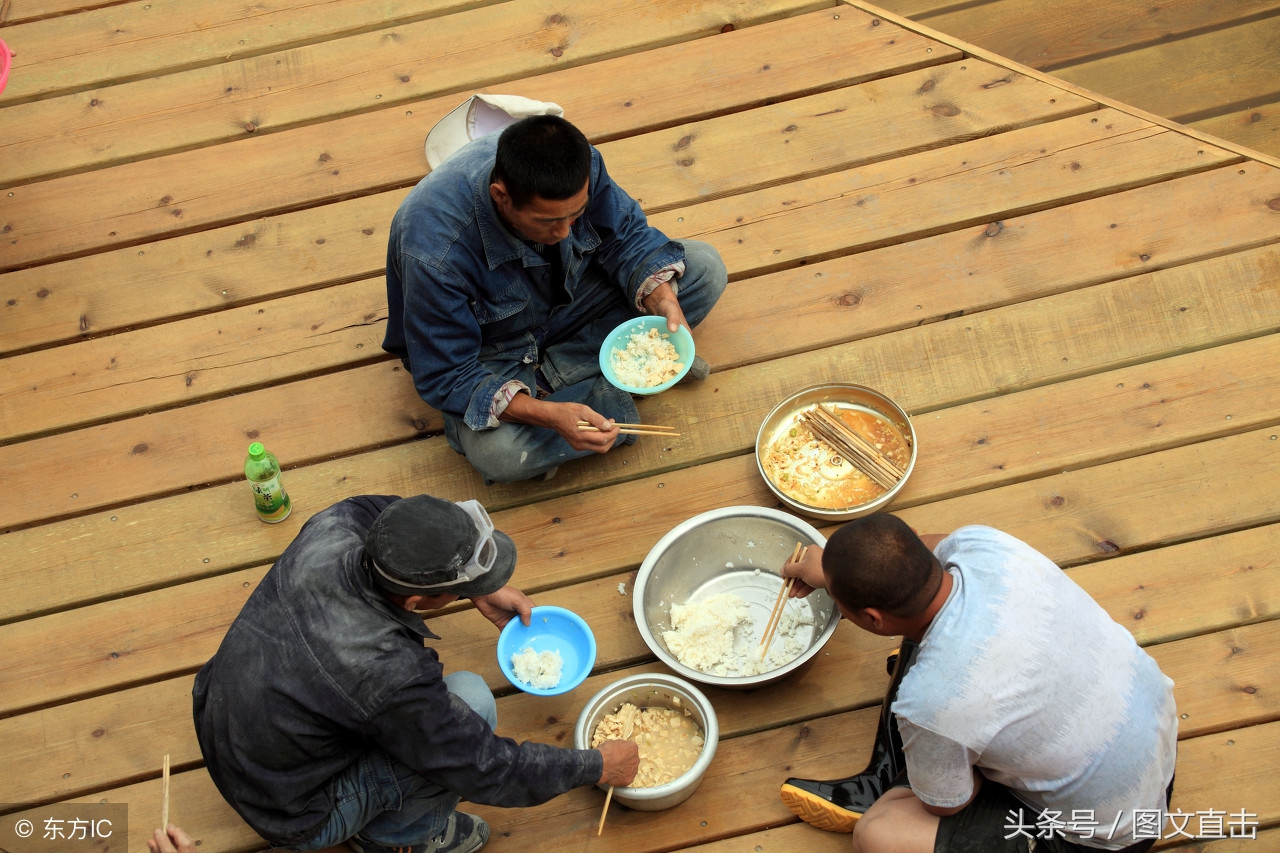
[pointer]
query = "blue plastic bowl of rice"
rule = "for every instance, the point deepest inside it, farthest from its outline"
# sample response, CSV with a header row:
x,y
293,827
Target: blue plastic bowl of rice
x,y
553,654
641,356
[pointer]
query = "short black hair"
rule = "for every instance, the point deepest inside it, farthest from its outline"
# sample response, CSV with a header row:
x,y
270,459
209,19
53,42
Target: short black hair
x,y
879,561
543,157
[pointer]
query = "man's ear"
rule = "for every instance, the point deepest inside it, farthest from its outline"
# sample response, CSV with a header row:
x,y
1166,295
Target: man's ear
x,y
498,192
876,616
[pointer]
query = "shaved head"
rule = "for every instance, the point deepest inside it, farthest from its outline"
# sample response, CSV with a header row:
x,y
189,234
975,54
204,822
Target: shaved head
x,y
878,561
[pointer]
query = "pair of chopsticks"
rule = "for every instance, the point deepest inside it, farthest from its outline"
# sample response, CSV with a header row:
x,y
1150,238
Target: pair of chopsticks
x,y
775,616
862,454
634,429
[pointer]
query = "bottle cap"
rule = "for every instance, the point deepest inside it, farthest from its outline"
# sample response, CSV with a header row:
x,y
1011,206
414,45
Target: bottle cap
x,y
256,449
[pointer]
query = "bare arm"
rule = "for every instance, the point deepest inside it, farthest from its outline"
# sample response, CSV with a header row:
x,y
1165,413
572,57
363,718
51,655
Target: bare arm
x,y
563,418
662,302
502,606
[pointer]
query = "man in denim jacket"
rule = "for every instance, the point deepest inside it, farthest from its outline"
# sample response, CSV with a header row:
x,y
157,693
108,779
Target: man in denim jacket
x,y
506,268
324,718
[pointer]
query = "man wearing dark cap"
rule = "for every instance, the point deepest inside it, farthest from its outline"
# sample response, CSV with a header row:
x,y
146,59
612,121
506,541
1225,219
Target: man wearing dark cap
x,y
323,717
1020,716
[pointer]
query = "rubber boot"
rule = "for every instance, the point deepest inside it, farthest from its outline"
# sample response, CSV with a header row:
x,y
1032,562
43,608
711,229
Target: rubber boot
x,y
837,804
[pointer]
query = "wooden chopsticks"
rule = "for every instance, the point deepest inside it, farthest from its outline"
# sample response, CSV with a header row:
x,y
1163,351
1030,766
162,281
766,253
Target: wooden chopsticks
x,y
775,616
861,453
634,429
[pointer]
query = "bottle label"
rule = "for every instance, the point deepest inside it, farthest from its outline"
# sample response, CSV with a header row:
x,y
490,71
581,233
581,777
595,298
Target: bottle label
x,y
268,495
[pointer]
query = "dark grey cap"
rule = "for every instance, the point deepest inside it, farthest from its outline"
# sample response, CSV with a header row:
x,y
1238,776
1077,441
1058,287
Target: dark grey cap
x,y
422,545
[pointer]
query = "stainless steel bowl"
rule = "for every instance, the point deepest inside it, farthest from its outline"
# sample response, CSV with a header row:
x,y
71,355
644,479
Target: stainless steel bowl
x,y
738,549
650,690
844,396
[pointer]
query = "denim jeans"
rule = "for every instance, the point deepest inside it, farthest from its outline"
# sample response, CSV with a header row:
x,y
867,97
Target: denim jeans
x,y
513,452
385,802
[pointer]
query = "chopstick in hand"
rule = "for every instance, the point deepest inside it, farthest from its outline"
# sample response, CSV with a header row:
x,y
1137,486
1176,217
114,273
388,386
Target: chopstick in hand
x,y
604,811
775,616
634,429
164,797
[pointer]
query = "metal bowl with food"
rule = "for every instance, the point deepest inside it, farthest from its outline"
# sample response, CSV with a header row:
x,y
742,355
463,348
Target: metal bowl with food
x,y
811,476
704,594
654,690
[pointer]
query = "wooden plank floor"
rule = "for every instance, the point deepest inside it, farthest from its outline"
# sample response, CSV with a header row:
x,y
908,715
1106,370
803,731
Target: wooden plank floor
x,y
1212,65
1078,303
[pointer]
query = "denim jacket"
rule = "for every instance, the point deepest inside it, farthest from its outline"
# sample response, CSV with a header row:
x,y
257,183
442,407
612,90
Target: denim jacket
x,y
319,667
464,312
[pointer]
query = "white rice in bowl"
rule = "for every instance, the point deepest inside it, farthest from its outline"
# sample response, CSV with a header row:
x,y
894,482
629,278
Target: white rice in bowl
x,y
540,670
718,636
648,360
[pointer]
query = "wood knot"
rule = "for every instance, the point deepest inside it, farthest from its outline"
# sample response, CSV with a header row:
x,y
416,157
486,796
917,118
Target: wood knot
x,y
848,299
946,110
927,86
993,229
727,28
557,52
1274,203
685,142
139,449
246,241
252,433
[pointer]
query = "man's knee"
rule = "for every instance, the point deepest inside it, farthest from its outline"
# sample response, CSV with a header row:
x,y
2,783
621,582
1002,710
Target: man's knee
x,y
704,280
473,690
499,457
868,832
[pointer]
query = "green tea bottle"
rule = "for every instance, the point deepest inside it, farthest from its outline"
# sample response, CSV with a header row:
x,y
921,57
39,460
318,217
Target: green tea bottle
x,y
269,496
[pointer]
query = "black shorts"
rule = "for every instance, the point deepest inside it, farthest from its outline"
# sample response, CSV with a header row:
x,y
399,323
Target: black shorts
x,y
991,824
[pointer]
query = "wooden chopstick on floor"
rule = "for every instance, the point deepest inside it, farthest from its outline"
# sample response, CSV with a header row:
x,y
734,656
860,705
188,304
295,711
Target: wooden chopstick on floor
x,y
634,429
775,616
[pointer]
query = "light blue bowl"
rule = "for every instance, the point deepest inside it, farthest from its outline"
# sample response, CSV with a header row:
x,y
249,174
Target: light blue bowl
x,y
550,629
621,336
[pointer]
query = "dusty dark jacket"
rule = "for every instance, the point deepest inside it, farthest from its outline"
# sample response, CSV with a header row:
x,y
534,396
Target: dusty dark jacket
x,y
319,667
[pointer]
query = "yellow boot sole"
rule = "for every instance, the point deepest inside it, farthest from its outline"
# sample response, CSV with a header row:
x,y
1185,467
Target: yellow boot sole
x,y
816,811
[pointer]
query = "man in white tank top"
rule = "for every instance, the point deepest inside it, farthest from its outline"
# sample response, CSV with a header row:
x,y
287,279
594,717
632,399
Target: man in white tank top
x,y
1028,719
